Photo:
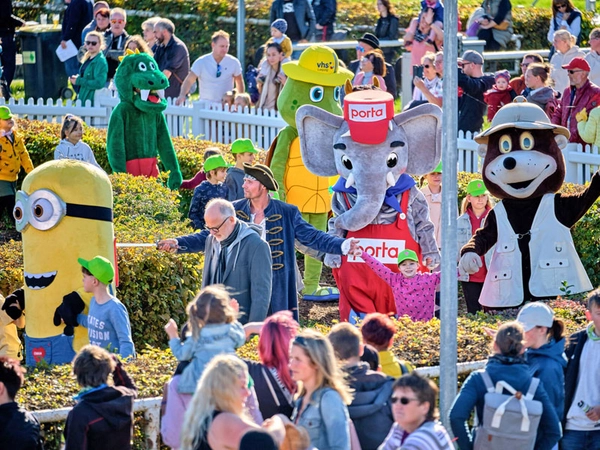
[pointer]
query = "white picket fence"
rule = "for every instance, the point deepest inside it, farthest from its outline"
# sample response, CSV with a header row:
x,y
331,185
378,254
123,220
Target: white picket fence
x,y
200,120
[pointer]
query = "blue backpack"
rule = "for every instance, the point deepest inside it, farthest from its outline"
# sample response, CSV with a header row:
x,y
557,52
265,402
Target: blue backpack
x,y
251,88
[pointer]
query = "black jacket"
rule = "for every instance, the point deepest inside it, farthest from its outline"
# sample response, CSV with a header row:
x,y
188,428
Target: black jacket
x,y
471,106
19,429
324,11
370,410
390,76
77,15
103,419
263,382
573,352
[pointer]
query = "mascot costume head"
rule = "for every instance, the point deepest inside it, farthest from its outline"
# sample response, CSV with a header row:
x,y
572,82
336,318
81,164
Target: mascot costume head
x,y
137,130
534,255
64,212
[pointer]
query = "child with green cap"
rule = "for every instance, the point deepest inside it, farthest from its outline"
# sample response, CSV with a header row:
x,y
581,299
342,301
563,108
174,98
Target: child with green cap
x,y
13,155
474,209
244,153
107,320
414,292
215,169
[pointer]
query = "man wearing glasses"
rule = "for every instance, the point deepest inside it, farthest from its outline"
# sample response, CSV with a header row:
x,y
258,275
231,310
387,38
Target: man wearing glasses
x,y
217,72
235,255
593,57
472,84
581,94
115,39
518,83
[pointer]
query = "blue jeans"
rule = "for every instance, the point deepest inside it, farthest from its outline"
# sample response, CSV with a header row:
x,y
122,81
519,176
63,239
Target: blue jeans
x,y
580,440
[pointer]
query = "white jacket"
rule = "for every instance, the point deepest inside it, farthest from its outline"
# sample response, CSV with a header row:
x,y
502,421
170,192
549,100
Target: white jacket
x,y
593,60
558,74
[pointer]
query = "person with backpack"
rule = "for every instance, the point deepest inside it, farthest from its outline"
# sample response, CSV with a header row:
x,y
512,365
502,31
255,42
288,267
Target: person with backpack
x,y
370,410
506,369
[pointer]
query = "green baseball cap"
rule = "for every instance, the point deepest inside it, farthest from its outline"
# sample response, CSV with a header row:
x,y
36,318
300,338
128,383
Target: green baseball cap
x,y
5,113
99,267
243,146
214,162
476,188
407,254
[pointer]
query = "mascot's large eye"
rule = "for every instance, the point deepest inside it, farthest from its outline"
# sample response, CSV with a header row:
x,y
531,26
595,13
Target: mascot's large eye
x,y
346,162
527,141
152,66
142,67
392,160
316,94
45,209
505,144
18,212
336,93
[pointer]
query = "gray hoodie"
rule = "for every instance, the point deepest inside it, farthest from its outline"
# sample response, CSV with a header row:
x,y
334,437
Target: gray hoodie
x,y
80,151
248,271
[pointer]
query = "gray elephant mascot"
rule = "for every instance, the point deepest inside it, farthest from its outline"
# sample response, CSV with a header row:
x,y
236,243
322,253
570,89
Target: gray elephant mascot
x,y
375,199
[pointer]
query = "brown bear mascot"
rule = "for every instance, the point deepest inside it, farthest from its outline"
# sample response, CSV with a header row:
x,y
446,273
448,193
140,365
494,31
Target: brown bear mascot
x,y
534,253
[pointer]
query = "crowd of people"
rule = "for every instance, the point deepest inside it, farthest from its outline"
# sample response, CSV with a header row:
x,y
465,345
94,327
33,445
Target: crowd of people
x,y
308,390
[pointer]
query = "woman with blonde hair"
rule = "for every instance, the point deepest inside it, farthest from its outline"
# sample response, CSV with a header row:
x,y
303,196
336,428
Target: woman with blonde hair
x,y
94,68
323,394
216,418
566,50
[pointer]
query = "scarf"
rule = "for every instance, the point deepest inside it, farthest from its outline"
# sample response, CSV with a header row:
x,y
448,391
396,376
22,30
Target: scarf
x,y
220,273
504,359
591,332
404,183
88,390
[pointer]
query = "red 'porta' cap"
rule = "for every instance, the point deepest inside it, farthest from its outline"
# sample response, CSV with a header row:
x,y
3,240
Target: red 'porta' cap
x,y
368,114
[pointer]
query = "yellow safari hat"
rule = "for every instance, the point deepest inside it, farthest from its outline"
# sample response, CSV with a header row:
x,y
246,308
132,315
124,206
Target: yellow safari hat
x,y
318,64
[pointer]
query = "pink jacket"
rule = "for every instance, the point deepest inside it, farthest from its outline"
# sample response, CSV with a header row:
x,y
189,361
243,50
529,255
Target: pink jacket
x,y
414,297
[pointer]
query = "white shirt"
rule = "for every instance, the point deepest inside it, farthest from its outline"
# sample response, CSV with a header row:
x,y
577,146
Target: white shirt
x,y
213,88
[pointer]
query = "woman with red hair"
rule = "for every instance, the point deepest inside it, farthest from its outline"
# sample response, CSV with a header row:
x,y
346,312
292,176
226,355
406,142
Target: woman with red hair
x,y
273,383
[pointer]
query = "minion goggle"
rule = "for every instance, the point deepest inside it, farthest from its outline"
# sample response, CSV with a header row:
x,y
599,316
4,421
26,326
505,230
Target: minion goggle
x,y
43,210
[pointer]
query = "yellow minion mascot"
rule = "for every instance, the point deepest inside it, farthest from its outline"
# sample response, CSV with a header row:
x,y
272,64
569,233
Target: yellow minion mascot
x,y
64,212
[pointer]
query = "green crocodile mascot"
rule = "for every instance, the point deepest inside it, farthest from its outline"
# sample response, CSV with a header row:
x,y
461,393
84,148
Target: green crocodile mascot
x,y
314,79
137,130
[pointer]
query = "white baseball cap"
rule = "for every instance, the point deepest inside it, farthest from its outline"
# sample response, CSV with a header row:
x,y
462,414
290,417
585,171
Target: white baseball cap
x,y
536,314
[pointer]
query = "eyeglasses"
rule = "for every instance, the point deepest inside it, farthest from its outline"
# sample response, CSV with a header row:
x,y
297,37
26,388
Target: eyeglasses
x,y
119,21
403,400
572,71
426,66
92,43
216,229
218,70
360,48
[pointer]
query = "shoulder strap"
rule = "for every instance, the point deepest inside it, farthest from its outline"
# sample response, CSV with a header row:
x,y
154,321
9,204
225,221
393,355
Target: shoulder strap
x,y
487,381
535,382
268,380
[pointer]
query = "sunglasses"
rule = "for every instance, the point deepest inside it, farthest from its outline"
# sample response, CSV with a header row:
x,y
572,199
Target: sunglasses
x,y
561,6
403,400
426,66
360,48
119,21
216,229
218,70
571,71
299,340
92,43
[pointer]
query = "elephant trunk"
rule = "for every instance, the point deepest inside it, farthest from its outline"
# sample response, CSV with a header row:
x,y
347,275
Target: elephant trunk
x,y
363,212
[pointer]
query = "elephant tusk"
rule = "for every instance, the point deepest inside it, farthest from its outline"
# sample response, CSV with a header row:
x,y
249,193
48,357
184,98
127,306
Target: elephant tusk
x,y
349,181
346,134
390,125
390,179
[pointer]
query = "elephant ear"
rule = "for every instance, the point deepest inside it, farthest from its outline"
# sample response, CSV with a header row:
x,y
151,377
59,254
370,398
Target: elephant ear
x,y
423,128
316,130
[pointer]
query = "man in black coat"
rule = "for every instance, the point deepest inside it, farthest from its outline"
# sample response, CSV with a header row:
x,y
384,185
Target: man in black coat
x,y
8,23
472,83
369,42
77,15
325,11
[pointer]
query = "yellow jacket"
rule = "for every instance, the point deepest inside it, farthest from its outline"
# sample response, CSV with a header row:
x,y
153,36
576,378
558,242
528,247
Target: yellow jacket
x,y
589,130
13,156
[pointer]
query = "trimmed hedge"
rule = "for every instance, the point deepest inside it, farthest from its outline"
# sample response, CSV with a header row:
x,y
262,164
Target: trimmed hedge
x,y
532,23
